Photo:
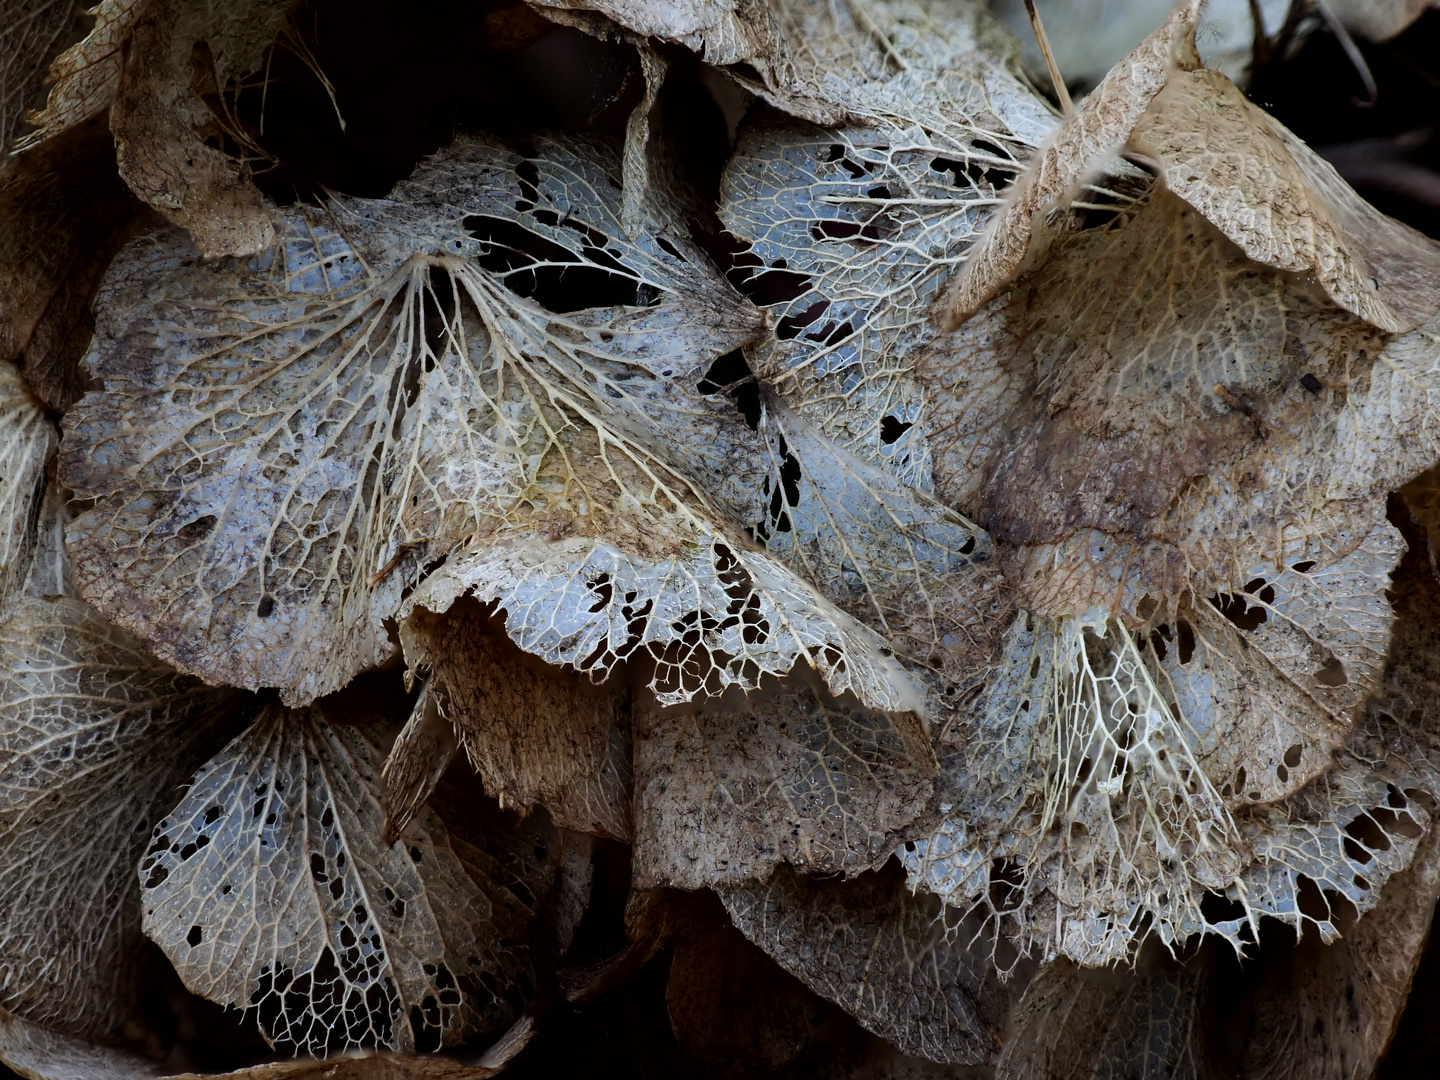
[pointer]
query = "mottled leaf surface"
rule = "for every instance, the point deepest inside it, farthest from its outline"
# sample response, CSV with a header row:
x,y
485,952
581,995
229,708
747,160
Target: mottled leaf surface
x,y
727,790
892,959
95,736
535,735
270,888
389,388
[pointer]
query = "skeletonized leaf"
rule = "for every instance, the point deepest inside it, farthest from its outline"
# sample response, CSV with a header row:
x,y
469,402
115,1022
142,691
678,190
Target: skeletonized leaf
x,y
389,389
1313,1011
95,735
535,735
269,888
26,440
86,75
849,231
892,959
1333,1017
63,215
727,790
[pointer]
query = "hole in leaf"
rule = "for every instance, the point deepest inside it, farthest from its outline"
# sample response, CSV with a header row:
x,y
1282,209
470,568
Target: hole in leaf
x,y
1332,673
551,274
891,428
195,936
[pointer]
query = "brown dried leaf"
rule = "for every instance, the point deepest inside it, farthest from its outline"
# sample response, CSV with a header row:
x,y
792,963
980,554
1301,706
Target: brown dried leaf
x,y
27,438
728,790
37,1053
422,752
95,735
1279,201
896,961
1108,1024
733,1009
63,216
536,736
32,34
86,75
159,122
392,393
423,943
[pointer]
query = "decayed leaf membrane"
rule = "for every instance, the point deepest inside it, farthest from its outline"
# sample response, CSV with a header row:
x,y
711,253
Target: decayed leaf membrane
x,y
38,1053
270,888
27,439
896,961
389,389
727,790
417,761
848,232
95,735
1202,449
535,735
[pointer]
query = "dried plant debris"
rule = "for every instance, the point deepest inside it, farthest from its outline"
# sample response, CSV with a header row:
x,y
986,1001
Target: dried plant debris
x,y
269,888
27,440
31,35
39,1053
95,736
63,216
139,60
1312,1010
393,391
86,76
727,790
899,963
535,735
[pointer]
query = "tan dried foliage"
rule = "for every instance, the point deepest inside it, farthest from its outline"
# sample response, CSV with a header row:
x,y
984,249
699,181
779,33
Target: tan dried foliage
x,y
95,737
535,735
32,33
392,392
160,123
1107,1024
63,216
38,1053
27,440
896,961
269,888
143,61
86,76
727,790
420,757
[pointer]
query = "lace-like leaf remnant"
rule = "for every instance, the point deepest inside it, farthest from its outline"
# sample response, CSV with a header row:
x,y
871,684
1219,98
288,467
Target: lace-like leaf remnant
x,y
727,790
895,961
31,35
850,231
95,734
269,888
26,440
535,735
481,369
